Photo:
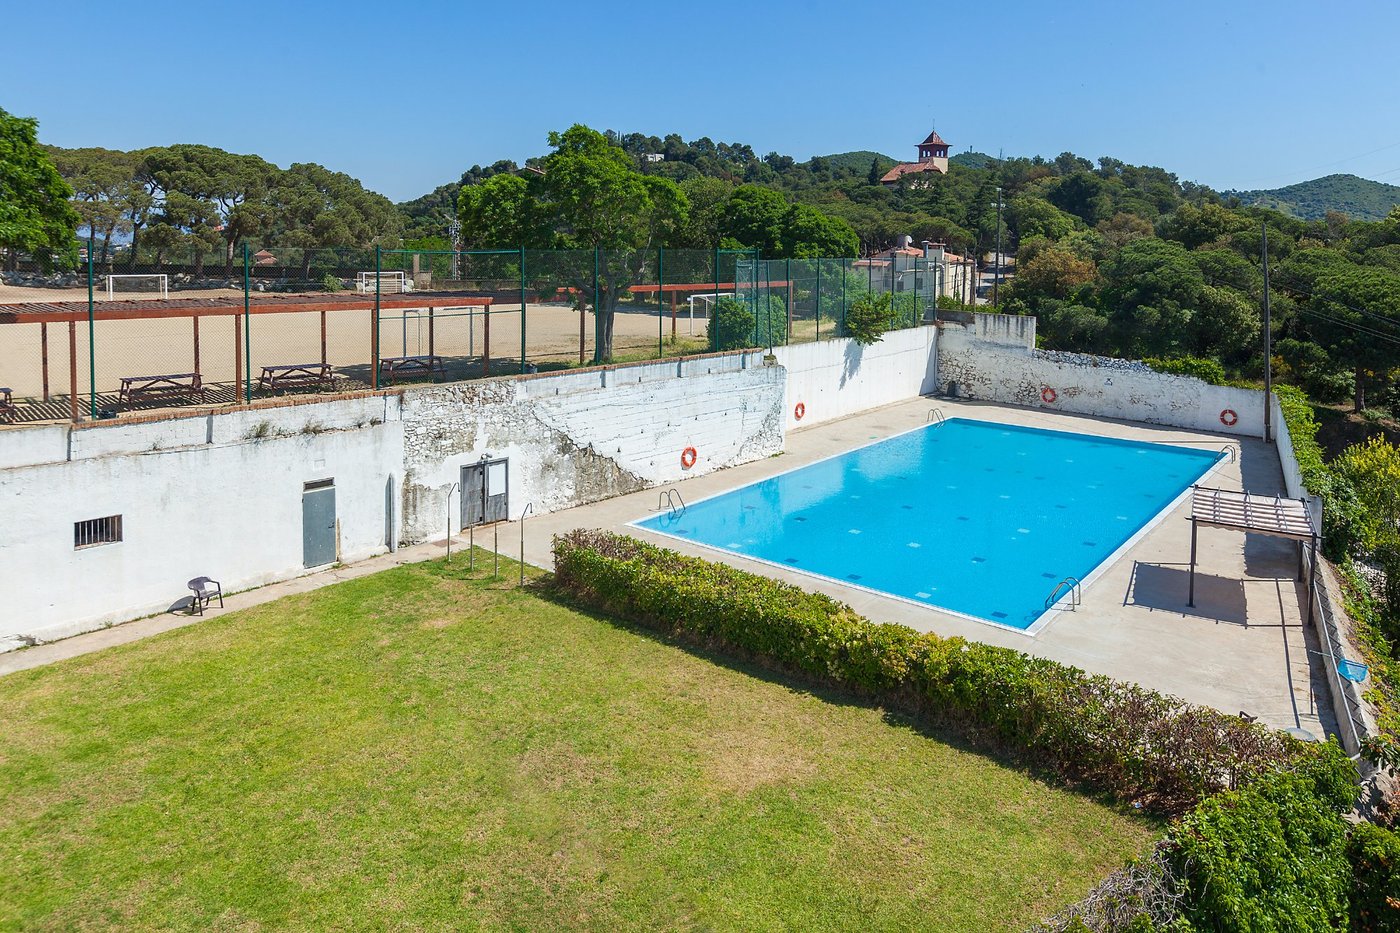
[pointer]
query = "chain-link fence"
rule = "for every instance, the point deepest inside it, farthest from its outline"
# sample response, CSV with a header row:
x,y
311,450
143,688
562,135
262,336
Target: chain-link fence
x,y
155,326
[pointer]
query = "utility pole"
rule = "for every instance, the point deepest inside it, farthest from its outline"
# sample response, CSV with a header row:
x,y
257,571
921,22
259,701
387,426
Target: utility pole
x,y
1268,341
996,275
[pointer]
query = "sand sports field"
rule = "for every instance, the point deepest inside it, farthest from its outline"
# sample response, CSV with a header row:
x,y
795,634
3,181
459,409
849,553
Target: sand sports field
x,y
556,336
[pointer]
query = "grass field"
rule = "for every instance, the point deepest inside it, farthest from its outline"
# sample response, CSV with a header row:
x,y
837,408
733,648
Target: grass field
x,y
426,749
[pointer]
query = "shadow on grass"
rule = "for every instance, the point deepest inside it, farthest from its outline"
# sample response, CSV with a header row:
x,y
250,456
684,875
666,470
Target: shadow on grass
x,y
910,715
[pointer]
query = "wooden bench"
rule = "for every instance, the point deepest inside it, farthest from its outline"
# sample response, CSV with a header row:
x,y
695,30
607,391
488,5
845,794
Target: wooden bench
x,y
296,376
8,412
430,366
135,388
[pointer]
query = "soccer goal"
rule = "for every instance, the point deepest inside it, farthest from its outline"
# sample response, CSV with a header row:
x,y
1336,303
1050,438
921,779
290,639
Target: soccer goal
x,y
706,303
142,284
389,282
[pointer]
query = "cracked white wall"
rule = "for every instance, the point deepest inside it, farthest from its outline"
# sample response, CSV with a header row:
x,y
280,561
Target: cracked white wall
x,y
578,437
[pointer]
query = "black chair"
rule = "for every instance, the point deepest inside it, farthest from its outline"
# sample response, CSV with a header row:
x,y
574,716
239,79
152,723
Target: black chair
x,y
205,590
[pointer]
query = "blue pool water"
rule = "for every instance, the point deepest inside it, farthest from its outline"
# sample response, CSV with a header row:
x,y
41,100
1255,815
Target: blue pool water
x,y
978,518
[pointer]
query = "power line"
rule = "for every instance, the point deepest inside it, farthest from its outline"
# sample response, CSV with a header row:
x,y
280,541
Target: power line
x,y
1384,319
1315,168
1388,338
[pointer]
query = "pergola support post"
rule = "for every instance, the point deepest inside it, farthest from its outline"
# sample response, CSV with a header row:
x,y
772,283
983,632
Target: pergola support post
x,y
1191,586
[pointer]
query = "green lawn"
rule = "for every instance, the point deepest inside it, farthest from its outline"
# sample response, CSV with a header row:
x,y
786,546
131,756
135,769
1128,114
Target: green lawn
x,y
419,749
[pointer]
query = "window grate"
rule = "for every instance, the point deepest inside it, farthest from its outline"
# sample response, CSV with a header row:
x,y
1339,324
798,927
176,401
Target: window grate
x,y
96,531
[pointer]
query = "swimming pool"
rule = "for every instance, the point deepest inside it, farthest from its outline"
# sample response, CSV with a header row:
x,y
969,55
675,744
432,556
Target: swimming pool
x,y
974,517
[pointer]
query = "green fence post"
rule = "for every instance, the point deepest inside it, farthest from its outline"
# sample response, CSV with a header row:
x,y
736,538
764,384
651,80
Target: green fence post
x,y
660,302
845,273
818,312
247,332
522,309
710,328
789,302
914,313
597,314
374,325
92,335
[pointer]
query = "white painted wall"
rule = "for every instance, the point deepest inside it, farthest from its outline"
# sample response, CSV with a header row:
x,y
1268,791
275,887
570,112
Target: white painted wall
x,y
1292,475
993,359
836,378
220,493
578,437
205,495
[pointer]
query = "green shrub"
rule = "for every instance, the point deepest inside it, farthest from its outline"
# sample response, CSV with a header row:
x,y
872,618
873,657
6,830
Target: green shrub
x,y
1374,854
1136,743
331,283
1204,369
1340,510
868,317
737,326
733,324
1271,856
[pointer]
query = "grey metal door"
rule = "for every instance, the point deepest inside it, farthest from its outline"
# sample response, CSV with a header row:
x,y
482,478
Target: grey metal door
x,y
497,498
318,523
473,494
485,496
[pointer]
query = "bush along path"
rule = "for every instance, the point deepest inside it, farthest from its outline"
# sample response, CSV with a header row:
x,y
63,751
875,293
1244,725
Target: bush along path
x,y
1258,840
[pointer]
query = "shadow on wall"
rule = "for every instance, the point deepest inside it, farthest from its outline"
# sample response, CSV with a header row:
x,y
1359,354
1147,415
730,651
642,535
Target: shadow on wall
x,y
854,354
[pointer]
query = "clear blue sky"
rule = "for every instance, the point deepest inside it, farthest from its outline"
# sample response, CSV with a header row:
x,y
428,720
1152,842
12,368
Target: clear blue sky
x,y
406,96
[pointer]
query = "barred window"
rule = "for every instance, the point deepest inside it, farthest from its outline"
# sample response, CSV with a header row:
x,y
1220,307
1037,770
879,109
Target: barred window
x,y
96,531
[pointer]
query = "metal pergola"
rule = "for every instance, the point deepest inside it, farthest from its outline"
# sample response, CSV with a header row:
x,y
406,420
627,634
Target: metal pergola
x,y
1277,516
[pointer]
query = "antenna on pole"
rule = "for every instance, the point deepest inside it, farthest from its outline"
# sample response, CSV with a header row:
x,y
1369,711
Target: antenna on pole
x,y
1268,339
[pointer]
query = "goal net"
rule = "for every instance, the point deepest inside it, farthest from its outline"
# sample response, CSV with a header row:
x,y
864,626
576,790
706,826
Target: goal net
x,y
703,306
389,282
152,285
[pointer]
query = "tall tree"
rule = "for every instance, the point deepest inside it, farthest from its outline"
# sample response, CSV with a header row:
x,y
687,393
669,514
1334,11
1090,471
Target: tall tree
x,y
35,216
312,207
103,183
588,195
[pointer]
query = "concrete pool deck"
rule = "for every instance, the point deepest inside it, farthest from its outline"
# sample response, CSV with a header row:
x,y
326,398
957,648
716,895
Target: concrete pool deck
x,y
1243,647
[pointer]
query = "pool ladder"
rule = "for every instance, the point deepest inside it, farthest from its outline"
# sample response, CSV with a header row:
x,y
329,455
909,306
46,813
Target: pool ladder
x,y
671,500
1076,593
1233,451
935,416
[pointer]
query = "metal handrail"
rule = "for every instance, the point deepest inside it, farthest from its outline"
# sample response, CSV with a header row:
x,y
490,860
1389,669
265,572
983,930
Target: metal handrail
x,y
529,507
1332,640
1233,451
1076,593
670,499
935,415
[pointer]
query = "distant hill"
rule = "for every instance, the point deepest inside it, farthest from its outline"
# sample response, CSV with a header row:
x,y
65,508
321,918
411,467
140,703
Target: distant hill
x,y
859,161
1360,198
972,159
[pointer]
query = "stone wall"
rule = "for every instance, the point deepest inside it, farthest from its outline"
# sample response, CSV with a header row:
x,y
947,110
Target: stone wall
x,y
994,359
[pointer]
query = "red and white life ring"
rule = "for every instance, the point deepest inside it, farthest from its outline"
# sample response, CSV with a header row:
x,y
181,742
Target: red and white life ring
x,y
1048,395
1229,418
688,457
799,411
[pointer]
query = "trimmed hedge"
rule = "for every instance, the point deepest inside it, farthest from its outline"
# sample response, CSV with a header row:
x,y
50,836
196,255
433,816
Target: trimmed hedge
x,y
1135,743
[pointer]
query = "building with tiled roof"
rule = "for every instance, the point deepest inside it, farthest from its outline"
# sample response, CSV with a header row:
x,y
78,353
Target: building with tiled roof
x,y
933,157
